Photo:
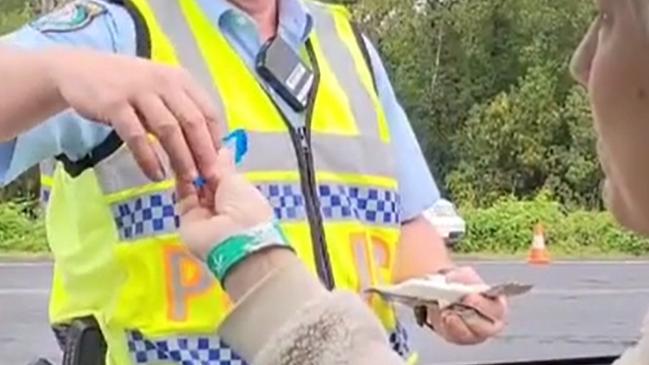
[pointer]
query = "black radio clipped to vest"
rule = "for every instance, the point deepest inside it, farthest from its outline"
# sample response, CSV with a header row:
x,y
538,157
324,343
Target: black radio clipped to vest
x,y
281,67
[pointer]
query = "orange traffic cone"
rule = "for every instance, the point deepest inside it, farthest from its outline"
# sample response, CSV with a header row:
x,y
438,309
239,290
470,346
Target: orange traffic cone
x,y
539,254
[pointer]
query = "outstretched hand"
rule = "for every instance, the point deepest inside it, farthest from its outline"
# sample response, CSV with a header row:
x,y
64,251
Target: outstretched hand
x,y
237,207
461,330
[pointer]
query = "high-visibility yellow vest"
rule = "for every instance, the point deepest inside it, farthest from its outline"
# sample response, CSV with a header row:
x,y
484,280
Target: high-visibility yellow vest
x,y
331,183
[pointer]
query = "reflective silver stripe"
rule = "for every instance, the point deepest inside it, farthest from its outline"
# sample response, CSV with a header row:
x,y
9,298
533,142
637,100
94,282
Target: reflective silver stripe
x,y
343,66
120,171
180,291
362,263
266,152
174,25
360,155
185,350
47,167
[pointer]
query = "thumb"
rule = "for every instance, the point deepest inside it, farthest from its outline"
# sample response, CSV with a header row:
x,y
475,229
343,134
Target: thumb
x,y
225,167
225,162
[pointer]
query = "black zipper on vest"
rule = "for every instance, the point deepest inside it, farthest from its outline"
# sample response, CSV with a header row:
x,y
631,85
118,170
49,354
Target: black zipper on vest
x,y
302,141
301,138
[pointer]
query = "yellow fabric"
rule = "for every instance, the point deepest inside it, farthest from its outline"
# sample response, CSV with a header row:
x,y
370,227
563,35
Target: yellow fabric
x,y
331,100
413,359
86,274
130,285
345,30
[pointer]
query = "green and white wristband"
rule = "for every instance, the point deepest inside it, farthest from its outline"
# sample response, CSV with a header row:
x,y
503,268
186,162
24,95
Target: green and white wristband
x,y
233,250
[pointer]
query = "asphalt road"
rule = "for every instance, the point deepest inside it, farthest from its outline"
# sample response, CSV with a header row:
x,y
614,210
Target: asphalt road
x,y
576,309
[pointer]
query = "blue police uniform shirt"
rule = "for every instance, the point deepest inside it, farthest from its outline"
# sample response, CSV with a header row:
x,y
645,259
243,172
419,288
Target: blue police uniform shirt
x,y
113,31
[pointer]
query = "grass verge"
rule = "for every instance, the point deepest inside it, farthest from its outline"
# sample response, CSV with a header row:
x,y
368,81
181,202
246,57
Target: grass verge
x,y
21,229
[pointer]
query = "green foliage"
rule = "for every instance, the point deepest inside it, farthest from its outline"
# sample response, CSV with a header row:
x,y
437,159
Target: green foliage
x,y
13,14
522,141
487,88
20,230
507,227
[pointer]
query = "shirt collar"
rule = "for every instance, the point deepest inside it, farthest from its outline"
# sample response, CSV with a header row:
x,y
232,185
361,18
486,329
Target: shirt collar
x,y
295,20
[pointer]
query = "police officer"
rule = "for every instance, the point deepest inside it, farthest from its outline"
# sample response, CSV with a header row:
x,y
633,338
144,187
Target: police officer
x,y
330,148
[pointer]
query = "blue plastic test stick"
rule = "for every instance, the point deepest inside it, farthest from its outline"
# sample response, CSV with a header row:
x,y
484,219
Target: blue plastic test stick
x,y
238,140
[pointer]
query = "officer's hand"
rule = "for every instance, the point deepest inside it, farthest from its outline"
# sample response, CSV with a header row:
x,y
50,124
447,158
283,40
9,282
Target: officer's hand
x,y
238,206
469,330
136,97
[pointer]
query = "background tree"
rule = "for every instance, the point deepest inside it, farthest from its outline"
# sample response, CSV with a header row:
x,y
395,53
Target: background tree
x,y
486,86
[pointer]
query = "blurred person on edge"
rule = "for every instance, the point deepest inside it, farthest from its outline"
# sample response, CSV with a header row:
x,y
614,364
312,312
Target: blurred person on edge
x,y
612,64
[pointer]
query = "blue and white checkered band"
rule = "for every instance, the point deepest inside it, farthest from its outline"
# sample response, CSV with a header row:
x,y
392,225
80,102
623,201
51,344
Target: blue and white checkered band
x,y
45,194
196,350
211,350
399,341
373,206
145,216
154,214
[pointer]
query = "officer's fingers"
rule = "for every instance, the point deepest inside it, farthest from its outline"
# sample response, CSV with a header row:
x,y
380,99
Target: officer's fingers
x,y
207,107
434,317
495,309
216,131
206,197
457,330
187,199
225,162
483,329
162,123
130,129
197,134
213,116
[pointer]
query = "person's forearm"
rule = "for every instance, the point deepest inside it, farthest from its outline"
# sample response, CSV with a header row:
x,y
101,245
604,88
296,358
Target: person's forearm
x,y
254,269
28,94
283,316
421,251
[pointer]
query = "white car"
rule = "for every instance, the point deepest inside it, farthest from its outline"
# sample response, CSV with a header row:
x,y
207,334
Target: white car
x,y
447,221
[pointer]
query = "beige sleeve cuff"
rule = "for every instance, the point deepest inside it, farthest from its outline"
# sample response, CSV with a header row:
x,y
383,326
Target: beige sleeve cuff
x,y
290,319
267,307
